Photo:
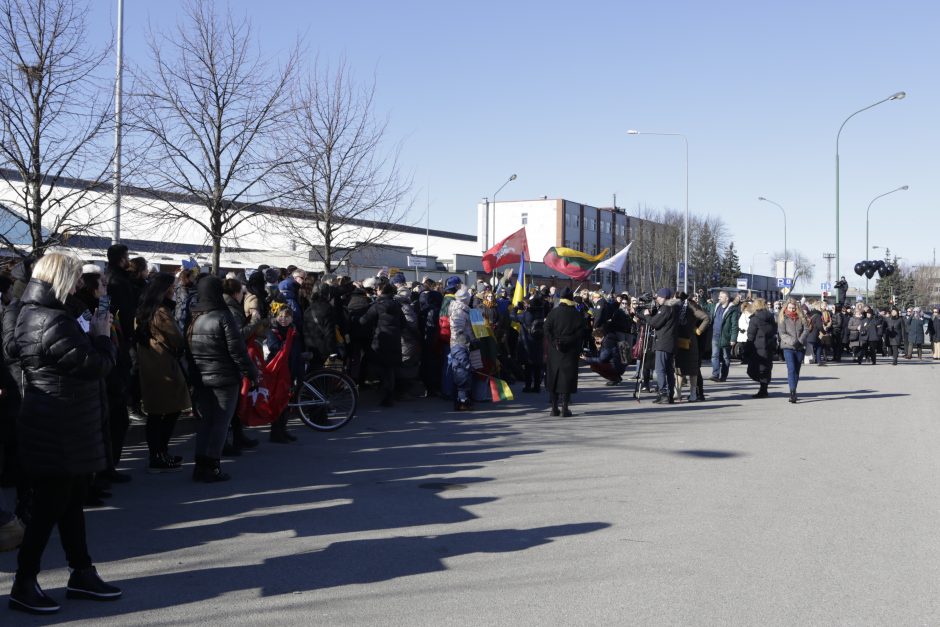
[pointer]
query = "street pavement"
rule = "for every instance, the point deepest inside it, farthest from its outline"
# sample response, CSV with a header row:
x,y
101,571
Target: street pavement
x,y
732,511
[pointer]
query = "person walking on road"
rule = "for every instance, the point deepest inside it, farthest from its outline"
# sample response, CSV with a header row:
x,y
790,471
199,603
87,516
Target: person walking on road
x,y
724,316
692,323
793,327
565,332
915,334
761,345
895,332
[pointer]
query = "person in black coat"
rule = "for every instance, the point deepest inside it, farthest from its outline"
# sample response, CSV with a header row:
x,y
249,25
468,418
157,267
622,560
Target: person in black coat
x,y
430,302
664,323
320,326
869,336
218,359
761,345
531,345
607,363
895,332
386,320
565,332
59,427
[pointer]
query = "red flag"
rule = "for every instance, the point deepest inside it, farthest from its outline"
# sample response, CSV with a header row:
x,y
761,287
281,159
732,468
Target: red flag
x,y
265,403
509,250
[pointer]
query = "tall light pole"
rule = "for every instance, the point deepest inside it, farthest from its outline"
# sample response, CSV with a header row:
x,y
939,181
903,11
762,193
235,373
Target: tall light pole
x,y
510,180
753,258
896,96
903,188
785,253
118,130
685,274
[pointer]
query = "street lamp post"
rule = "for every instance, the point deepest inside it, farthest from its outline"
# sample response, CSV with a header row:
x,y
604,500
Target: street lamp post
x,y
685,274
510,180
896,96
867,215
785,253
753,258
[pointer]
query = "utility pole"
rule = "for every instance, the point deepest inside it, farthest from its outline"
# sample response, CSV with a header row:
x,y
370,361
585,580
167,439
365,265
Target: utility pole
x,y
828,257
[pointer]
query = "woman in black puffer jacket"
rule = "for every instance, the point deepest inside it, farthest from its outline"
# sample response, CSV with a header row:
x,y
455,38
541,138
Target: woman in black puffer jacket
x,y
218,360
59,427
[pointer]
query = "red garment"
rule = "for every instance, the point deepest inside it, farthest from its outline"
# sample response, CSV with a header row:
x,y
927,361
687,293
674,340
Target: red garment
x,y
263,404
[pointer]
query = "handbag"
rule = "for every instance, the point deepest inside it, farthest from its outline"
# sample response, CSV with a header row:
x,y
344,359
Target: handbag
x,y
683,343
825,339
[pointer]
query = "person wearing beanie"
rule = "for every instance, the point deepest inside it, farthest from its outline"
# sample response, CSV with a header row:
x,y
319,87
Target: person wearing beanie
x,y
124,293
664,347
384,319
218,360
452,284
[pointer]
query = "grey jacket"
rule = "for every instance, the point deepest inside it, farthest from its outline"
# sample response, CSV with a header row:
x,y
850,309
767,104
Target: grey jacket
x,y
792,332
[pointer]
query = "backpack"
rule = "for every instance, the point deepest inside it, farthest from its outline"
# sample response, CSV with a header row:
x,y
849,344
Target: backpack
x,y
443,321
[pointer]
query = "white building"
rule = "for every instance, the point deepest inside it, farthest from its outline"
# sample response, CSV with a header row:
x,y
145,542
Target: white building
x,y
147,233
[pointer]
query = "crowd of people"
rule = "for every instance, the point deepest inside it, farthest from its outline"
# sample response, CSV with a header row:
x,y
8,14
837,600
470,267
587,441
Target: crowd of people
x,y
85,348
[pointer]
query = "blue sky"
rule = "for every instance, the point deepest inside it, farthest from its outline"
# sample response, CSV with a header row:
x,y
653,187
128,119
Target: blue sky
x,y
547,90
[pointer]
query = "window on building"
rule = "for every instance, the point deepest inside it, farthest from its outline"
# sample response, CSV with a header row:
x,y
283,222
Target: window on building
x,y
605,226
621,229
525,219
590,224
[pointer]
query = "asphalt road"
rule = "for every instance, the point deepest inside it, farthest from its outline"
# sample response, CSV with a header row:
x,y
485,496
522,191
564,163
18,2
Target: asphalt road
x,y
733,511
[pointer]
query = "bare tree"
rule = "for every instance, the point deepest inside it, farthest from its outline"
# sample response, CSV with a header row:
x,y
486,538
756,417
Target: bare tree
x,y
802,268
345,189
55,114
210,107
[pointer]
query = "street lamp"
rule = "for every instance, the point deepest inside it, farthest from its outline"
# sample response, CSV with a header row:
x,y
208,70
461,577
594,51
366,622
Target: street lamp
x,y
510,180
685,274
785,256
753,257
867,214
897,96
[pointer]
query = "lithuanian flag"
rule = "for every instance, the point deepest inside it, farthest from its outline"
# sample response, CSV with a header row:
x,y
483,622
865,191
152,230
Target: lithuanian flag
x,y
499,390
572,263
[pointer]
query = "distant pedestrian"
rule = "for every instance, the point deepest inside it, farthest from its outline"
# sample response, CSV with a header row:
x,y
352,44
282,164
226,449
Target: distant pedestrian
x,y
915,334
793,327
761,346
565,332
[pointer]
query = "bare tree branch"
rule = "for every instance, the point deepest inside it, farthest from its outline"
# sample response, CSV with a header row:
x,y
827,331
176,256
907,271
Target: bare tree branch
x,y
55,114
210,108
341,175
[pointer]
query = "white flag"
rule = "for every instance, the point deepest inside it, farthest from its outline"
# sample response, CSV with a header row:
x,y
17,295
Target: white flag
x,y
615,263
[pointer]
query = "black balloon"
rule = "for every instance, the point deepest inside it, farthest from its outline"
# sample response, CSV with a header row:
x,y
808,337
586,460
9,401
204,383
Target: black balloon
x,y
860,268
870,270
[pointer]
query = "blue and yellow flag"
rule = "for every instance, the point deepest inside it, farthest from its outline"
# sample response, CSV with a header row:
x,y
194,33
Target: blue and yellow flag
x,y
519,294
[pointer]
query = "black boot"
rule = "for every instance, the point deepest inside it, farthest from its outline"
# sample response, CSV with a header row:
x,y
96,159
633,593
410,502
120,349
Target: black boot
x,y
199,468
762,392
86,584
212,471
792,396
555,410
27,596
565,398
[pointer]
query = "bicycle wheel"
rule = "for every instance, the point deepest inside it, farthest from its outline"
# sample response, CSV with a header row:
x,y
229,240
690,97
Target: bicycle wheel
x,y
326,400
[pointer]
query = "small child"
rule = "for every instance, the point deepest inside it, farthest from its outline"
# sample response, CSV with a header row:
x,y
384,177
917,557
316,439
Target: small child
x,y
282,325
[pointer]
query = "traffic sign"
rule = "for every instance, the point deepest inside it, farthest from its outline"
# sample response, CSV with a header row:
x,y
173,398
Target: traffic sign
x,y
780,282
825,287
742,284
788,283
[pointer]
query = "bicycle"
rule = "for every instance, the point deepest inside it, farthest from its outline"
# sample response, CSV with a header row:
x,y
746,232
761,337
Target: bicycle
x,y
326,399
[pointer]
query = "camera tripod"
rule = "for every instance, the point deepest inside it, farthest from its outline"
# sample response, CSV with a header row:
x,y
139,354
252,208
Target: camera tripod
x,y
641,362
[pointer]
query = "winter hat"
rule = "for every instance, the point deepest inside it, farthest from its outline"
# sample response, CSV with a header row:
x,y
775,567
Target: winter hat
x,y
463,294
271,275
664,292
90,268
398,279
453,283
369,282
